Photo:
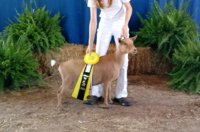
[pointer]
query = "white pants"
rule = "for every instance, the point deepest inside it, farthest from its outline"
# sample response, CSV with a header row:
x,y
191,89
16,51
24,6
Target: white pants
x,y
107,29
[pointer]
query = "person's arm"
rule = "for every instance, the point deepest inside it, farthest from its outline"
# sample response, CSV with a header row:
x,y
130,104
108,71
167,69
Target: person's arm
x,y
92,28
127,19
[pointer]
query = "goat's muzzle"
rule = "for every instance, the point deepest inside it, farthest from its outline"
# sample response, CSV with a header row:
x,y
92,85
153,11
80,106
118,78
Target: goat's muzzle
x,y
134,51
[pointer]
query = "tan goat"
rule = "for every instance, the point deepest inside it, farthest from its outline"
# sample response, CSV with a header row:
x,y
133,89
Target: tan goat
x,y
105,71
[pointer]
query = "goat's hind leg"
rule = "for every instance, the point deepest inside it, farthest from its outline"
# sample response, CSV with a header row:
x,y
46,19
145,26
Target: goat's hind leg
x,y
61,92
60,96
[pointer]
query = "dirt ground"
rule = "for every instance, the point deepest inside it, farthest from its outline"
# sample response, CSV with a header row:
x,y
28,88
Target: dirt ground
x,y
155,109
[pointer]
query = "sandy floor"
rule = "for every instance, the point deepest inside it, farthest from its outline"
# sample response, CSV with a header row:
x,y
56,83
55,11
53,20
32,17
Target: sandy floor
x,y
155,109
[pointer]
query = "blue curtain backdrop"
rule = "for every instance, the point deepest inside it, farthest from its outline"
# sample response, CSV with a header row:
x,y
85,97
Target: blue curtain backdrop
x,y
75,14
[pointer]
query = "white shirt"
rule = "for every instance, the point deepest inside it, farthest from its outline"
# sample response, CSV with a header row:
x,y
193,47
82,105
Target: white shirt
x,y
116,10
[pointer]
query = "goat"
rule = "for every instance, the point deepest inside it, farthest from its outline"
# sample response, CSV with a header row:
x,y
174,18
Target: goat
x,y
105,71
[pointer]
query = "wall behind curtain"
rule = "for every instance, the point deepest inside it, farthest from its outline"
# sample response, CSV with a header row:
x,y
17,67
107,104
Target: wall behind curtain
x,y
75,14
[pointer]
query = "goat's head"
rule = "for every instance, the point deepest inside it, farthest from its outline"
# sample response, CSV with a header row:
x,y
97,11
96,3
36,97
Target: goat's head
x,y
126,45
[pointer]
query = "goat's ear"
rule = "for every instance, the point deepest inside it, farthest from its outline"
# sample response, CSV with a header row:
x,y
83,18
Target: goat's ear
x,y
134,38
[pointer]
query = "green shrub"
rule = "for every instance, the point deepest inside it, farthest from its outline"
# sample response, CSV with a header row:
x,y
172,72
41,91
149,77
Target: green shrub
x,y
35,27
17,66
164,30
186,74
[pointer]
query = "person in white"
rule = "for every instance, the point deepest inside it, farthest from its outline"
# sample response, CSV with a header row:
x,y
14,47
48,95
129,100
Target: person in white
x,y
114,18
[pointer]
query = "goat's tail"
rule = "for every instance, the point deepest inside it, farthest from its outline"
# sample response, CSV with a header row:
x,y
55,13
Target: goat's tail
x,y
53,62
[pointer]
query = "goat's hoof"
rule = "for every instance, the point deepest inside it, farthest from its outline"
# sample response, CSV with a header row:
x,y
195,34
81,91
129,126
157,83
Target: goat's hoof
x,y
111,102
60,108
104,106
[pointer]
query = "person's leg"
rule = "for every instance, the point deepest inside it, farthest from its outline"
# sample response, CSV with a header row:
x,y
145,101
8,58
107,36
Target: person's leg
x,y
121,88
103,40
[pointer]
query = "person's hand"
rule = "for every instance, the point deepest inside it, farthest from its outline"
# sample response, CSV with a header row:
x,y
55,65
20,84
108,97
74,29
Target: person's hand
x,y
125,31
89,50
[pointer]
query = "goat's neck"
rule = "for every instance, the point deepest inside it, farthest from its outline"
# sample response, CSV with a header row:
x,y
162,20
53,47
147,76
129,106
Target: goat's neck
x,y
119,56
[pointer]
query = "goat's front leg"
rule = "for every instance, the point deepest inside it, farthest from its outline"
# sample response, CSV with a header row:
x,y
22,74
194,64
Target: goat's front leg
x,y
110,94
106,94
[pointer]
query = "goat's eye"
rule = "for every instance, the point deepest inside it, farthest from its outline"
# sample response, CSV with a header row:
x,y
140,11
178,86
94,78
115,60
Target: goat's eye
x,y
126,45
123,43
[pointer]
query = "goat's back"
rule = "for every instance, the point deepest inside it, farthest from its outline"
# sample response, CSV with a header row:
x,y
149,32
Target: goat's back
x,y
71,68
